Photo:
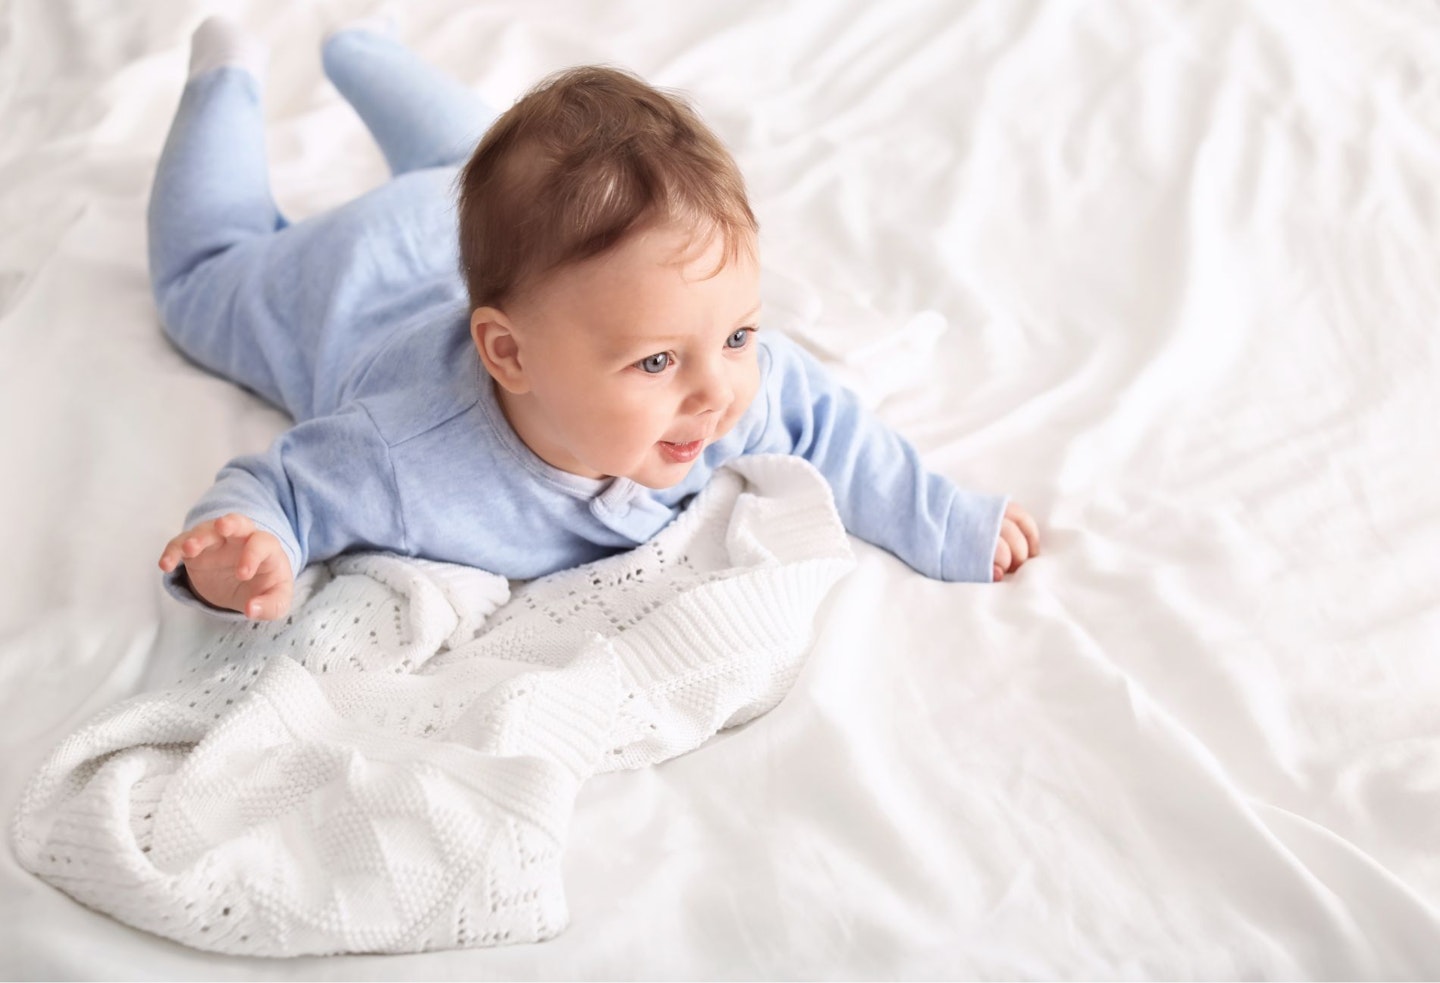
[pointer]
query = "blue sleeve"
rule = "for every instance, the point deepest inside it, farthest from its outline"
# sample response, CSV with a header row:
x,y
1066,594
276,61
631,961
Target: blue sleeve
x,y
323,487
883,491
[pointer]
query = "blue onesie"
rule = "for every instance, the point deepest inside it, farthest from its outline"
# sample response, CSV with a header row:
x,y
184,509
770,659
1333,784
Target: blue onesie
x,y
356,323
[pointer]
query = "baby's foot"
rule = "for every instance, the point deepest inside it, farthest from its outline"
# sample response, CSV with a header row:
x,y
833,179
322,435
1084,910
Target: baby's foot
x,y
219,42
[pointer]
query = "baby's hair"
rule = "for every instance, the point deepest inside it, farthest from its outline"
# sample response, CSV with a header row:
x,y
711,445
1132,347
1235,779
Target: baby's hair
x,y
584,159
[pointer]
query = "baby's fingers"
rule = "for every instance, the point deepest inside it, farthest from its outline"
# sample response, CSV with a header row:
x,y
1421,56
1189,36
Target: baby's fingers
x,y
234,525
269,605
1019,546
170,555
201,538
1027,525
1002,554
188,545
256,551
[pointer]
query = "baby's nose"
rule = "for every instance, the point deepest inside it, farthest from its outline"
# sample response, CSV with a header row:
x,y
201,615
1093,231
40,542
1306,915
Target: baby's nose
x,y
712,393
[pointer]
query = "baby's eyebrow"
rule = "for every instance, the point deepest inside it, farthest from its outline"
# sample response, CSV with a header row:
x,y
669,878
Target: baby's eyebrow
x,y
638,341
627,345
662,338
748,315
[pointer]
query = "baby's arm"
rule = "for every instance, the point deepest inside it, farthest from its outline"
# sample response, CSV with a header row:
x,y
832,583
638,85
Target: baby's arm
x,y
883,491
324,486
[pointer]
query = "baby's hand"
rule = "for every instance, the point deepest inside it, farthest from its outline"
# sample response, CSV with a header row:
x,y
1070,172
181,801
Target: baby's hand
x,y
233,565
1019,540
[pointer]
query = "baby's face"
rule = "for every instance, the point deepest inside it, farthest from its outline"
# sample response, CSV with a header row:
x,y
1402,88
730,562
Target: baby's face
x,y
634,361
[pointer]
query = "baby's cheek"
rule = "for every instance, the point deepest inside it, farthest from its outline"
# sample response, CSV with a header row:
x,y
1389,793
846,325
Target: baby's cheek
x,y
746,396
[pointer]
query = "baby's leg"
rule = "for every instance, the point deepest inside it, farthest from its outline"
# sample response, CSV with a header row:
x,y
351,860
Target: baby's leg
x,y
211,215
419,116
289,311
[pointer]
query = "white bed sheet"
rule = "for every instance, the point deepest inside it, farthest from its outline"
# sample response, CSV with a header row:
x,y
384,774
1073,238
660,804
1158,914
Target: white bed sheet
x,y
1188,255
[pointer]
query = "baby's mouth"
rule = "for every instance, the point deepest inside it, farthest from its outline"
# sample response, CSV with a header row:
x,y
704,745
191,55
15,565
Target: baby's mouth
x,y
681,452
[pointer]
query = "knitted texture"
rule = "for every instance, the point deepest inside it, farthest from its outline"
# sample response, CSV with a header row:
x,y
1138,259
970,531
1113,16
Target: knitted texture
x,y
393,767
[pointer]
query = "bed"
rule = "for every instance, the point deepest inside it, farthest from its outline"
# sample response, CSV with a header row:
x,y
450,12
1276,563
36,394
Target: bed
x,y
1165,273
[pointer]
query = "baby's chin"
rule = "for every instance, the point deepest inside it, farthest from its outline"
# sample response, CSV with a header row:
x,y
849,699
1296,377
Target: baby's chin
x,y
658,482
664,474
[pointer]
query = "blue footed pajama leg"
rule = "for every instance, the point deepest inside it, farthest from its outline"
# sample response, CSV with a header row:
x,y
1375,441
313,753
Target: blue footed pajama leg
x,y
290,311
211,216
419,116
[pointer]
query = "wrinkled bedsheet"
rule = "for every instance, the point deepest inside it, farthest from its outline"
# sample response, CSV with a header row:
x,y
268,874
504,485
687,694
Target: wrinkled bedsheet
x,y
1164,272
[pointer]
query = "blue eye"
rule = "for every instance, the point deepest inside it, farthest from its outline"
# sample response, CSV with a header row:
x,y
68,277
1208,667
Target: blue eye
x,y
655,364
739,338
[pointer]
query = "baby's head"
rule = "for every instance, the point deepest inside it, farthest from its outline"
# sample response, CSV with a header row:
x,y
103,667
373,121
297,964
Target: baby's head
x,y
611,258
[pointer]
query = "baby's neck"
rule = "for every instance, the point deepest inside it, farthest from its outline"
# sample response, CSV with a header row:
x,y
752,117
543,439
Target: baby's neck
x,y
522,413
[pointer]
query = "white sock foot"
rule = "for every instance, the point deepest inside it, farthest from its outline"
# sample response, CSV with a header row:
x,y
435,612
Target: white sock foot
x,y
219,41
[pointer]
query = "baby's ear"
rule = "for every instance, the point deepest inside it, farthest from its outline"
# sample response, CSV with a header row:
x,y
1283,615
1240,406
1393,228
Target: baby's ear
x,y
495,340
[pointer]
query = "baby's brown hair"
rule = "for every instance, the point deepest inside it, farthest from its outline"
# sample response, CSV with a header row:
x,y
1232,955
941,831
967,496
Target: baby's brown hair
x,y
584,159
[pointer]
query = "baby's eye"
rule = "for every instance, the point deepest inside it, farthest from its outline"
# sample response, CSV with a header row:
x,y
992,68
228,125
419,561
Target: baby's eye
x,y
655,364
740,338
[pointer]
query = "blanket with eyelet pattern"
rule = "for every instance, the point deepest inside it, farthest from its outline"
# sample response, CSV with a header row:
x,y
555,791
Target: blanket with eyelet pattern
x,y
393,767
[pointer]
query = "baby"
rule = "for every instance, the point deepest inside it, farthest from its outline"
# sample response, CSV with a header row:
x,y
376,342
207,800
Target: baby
x,y
549,387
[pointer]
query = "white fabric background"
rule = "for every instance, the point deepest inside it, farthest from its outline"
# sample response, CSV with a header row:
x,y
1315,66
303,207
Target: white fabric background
x,y
1188,256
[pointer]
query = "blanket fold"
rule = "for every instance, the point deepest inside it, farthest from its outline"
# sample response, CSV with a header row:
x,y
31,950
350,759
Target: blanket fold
x,y
393,767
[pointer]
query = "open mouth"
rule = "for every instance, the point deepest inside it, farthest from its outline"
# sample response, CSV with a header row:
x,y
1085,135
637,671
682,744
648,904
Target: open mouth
x,y
681,453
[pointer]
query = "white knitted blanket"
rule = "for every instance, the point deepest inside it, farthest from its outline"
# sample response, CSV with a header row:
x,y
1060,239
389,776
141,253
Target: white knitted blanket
x,y
393,767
